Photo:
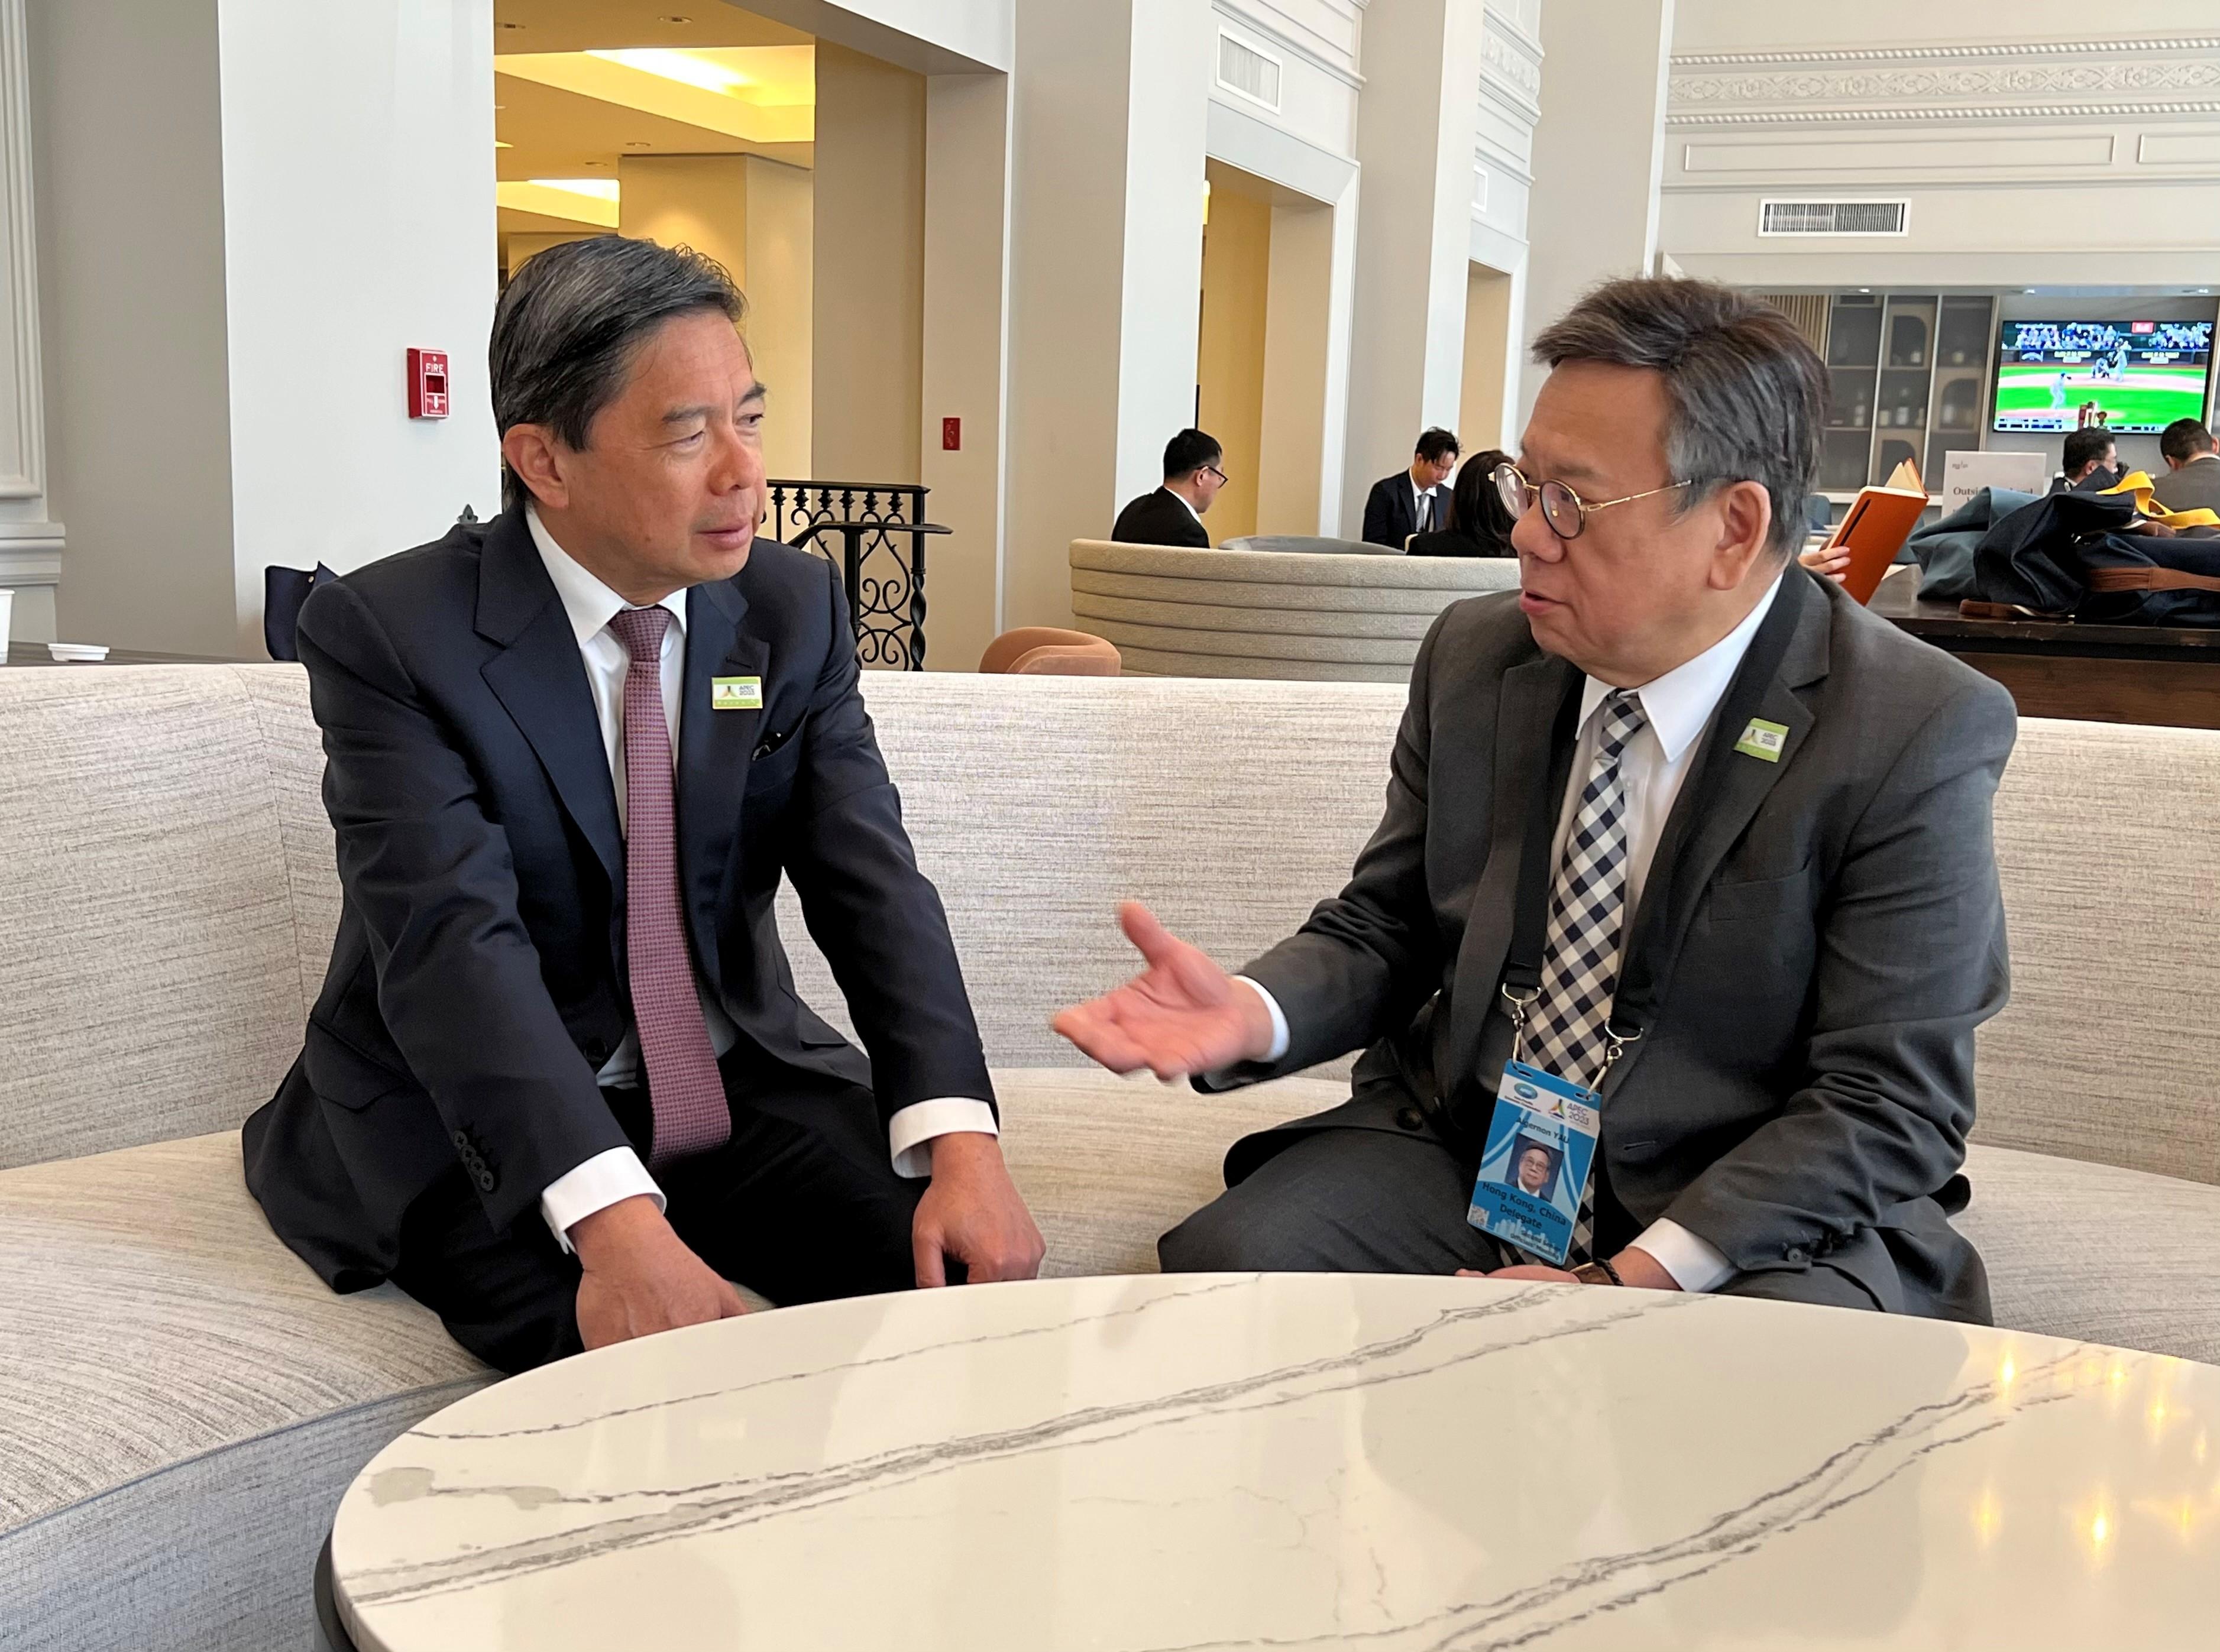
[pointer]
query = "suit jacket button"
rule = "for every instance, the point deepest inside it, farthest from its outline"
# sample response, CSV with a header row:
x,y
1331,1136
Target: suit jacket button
x,y
462,1140
597,1051
1797,1256
486,1181
1410,1119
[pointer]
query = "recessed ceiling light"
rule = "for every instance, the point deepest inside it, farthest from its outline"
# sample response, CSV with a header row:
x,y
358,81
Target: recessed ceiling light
x,y
601,188
2027,290
678,65
681,21
498,143
635,143
511,26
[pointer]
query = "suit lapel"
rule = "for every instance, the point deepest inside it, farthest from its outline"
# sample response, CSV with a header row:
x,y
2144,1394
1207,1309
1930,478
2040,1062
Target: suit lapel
x,y
1721,798
1526,715
541,680
714,749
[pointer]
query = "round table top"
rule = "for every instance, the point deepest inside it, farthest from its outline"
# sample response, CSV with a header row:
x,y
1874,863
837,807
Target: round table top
x,y
1213,1462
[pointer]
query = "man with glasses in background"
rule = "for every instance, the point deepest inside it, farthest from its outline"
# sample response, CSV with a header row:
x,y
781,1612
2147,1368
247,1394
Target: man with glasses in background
x,y
1173,513
1686,869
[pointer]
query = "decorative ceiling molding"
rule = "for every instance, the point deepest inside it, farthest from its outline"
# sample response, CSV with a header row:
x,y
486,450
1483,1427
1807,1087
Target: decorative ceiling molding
x,y
1948,53
1949,112
2024,80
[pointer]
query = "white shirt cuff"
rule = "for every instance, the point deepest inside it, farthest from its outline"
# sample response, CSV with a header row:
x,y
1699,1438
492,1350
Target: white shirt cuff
x,y
1695,1265
1279,1020
600,1182
910,1133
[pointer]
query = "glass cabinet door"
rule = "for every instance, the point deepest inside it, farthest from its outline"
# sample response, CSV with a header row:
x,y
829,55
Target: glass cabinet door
x,y
1854,341
1962,336
1907,372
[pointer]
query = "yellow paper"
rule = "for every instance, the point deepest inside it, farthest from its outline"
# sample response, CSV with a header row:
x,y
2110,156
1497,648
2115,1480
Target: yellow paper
x,y
1906,478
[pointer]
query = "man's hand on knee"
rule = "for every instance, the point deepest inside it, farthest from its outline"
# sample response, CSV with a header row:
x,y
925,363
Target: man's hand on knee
x,y
641,1278
972,1212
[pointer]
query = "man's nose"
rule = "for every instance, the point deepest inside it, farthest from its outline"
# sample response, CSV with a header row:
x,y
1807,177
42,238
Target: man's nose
x,y
739,462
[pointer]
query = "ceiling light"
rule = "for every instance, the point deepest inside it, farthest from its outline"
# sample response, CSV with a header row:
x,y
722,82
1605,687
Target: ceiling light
x,y
498,143
680,66
636,143
511,26
601,188
679,21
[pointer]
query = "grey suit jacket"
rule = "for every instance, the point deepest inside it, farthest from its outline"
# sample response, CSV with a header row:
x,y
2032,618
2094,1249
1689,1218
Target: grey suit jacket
x,y
2196,486
1834,932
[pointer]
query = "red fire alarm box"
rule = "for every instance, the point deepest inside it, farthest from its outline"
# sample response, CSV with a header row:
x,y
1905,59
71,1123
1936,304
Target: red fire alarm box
x,y
427,383
952,435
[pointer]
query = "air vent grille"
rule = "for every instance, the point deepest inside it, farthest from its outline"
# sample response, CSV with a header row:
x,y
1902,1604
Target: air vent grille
x,y
1242,68
1833,217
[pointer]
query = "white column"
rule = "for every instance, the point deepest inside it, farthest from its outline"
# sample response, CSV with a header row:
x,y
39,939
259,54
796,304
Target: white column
x,y
30,544
1599,153
1414,141
1106,272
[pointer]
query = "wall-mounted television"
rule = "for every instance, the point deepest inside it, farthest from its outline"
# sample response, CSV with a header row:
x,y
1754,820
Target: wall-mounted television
x,y
2140,375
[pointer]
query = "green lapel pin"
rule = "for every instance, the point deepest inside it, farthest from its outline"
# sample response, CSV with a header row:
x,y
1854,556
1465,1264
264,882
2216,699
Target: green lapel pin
x,y
1763,740
736,694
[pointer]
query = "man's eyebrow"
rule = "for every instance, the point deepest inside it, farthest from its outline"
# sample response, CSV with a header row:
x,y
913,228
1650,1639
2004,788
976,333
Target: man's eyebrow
x,y
754,396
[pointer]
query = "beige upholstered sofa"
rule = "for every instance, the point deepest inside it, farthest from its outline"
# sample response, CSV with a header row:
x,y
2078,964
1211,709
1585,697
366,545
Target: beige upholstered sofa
x,y
181,1401
1175,612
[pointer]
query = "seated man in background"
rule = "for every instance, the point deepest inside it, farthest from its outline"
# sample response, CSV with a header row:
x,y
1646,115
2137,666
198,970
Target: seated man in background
x,y
1173,513
1696,841
569,754
1412,501
2193,463
1479,524
2091,461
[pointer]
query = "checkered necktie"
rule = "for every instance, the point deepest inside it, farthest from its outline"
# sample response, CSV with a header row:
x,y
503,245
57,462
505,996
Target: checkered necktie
x,y
684,1090
1565,1027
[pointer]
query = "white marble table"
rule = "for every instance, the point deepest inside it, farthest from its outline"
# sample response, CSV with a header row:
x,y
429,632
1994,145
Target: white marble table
x,y
1142,1464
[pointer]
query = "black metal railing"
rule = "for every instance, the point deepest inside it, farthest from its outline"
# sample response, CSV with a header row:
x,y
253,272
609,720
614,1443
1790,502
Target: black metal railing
x,y
885,577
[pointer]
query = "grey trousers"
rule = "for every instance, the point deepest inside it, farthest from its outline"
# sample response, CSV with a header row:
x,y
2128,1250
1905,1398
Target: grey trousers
x,y
1364,1201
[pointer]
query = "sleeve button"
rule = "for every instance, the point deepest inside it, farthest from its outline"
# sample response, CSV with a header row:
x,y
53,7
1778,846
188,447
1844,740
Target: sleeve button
x,y
1410,1119
1797,1256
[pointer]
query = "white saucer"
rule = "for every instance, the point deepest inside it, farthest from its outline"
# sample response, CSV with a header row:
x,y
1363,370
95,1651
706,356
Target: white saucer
x,y
78,652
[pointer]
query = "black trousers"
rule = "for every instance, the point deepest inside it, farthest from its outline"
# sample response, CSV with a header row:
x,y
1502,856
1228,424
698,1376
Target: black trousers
x,y
801,1205
1364,1201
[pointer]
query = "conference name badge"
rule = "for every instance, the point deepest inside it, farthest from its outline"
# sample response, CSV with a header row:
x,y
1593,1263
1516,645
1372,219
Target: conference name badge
x,y
736,694
1763,739
1534,1163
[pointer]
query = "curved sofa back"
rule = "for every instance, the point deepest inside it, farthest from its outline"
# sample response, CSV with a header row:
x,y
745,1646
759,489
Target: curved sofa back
x,y
1175,612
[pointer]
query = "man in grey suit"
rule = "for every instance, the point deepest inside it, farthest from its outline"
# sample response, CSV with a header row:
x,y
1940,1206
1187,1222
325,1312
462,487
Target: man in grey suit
x,y
2192,465
1757,819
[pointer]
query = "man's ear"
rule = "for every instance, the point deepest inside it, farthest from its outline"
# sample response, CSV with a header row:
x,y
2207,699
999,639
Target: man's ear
x,y
1745,522
538,460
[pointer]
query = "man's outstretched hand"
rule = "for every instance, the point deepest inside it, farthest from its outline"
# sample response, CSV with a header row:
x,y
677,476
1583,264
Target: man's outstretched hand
x,y
1180,1015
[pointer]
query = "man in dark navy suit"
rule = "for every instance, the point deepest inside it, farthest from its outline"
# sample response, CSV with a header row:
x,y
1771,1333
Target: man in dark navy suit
x,y
1173,513
558,1085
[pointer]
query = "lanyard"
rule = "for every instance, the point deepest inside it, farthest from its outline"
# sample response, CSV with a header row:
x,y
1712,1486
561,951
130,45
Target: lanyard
x,y
1650,940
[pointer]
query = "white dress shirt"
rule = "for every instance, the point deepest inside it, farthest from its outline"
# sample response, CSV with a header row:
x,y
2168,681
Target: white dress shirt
x,y
1418,497
616,1175
1677,708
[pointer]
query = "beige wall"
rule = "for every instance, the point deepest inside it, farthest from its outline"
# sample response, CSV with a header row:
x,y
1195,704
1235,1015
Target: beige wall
x,y
1490,342
869,269
966,349
519,247
781,324
1298,365
753,216
1237,260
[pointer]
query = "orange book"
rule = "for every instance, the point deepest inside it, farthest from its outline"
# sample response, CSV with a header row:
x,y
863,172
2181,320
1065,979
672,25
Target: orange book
x,y
1875,528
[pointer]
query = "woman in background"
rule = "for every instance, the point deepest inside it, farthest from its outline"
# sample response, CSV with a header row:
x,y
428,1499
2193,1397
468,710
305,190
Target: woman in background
x,y
1479,525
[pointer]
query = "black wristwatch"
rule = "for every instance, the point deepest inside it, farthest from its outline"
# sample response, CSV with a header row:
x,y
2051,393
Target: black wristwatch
x,y
1598,1272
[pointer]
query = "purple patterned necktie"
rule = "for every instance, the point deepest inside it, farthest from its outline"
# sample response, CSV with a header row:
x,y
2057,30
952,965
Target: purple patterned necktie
x,y
684,1089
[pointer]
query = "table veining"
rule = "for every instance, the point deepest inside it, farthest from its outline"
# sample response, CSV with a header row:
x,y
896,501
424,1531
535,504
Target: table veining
x,y
1148,1464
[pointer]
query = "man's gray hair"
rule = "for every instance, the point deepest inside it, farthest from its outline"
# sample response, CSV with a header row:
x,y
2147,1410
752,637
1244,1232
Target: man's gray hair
x,y
566,330
1745,394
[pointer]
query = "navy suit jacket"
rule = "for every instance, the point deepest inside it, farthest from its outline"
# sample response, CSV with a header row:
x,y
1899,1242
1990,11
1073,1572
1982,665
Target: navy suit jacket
x,y
1391,511
477,980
